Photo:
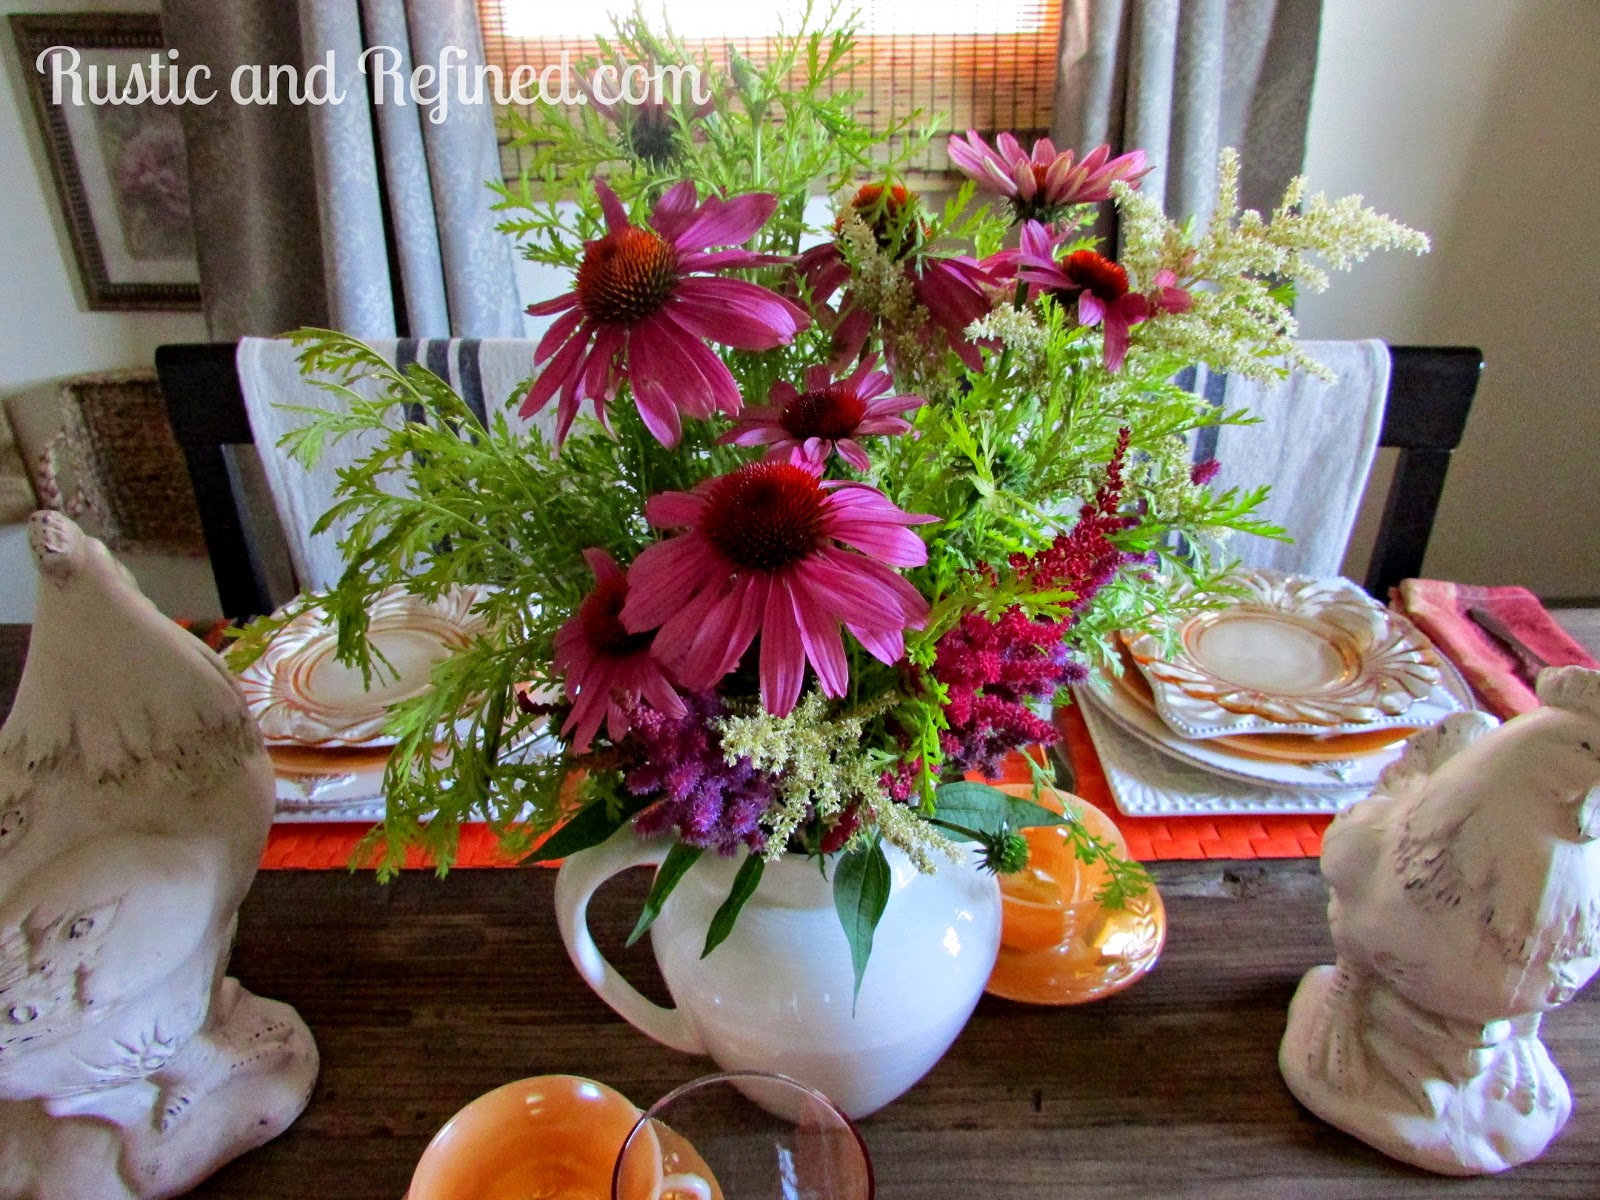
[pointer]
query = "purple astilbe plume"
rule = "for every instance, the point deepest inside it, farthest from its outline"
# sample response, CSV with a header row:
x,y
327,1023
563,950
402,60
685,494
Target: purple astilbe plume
x,y
704,801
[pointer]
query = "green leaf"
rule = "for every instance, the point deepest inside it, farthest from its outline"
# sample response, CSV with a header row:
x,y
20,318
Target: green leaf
x,y
677,863
983,809
587,827
744,886
860,894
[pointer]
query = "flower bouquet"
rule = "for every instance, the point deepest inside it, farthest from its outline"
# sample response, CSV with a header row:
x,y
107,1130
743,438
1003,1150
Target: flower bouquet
x,y
819,493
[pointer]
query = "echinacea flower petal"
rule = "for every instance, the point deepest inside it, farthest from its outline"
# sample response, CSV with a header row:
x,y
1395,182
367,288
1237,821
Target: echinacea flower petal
x,y
736,313
727,631
545,308
885,645
656,581
675,209
648,376
602,564
818,630
616,215
719,222
698,359
560,330
554,376
783,655
851,451
674,510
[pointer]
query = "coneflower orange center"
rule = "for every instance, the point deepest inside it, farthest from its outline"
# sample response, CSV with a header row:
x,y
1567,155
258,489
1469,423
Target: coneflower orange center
x,y
832,412
626,276
765,516
890,213
1096,273
602,624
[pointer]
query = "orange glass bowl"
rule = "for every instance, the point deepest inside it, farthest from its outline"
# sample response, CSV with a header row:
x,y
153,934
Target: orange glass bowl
x,y
1058,944
552,1136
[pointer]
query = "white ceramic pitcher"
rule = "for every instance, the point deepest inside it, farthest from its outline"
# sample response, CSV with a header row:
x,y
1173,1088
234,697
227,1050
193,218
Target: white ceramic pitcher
x,y
776,996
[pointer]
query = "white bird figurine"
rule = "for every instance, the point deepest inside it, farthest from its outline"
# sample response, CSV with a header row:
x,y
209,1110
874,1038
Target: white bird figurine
x,y
135,801
1466,905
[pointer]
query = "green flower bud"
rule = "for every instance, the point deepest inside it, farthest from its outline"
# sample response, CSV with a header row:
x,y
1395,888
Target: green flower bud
x,y
1006,853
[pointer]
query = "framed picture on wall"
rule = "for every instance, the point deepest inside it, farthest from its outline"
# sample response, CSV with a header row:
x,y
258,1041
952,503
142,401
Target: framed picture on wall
x,y
119,168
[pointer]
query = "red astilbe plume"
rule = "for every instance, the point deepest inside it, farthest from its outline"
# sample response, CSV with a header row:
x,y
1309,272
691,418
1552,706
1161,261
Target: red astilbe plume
x,y
1085,559
992,670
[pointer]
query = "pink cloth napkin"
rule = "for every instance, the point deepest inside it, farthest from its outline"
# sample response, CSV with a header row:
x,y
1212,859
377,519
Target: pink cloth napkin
x,y
1440,611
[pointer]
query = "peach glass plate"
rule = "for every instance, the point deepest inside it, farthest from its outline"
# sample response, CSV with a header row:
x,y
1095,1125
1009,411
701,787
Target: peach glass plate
x,y
1296,654
302,695
1293,747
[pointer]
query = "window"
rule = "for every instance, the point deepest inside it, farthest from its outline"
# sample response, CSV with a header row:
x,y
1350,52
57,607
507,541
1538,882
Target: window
x,y
984,64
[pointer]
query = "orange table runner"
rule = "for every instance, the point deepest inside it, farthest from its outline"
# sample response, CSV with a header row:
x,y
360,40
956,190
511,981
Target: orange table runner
x,y
329,847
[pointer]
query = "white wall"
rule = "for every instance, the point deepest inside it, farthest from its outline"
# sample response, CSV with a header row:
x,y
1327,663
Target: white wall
x,y
1476,121
46,333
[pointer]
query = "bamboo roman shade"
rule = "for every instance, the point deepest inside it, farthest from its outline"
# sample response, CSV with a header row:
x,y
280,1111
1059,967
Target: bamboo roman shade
x,y
979,64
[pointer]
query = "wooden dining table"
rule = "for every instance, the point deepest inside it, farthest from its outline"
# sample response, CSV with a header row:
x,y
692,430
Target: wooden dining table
x,y
426,992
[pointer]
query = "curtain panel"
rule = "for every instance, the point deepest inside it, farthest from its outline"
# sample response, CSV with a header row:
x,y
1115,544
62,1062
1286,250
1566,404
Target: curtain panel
x,y
370,218
1181,79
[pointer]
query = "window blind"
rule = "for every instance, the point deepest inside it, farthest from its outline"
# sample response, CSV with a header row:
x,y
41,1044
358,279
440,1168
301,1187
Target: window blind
x,y
988,65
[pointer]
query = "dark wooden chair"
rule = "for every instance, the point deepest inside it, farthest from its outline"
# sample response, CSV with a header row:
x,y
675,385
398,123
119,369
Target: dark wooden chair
x,y
206,408
1430,394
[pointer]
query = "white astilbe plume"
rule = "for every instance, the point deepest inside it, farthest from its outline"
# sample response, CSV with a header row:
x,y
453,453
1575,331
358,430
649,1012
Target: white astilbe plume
x,y
820,767
1236,323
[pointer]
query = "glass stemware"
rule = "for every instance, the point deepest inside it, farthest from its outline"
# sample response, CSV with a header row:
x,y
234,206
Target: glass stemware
x,y
743,1136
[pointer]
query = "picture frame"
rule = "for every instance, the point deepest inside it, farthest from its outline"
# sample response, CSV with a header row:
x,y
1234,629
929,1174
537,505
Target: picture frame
x,y
120,172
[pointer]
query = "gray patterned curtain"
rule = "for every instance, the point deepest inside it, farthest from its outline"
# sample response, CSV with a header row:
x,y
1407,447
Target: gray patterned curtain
x,y
296,206
1181,79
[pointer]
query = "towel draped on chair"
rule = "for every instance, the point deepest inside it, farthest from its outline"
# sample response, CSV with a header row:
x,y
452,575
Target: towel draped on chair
x,y
1314,443
484,372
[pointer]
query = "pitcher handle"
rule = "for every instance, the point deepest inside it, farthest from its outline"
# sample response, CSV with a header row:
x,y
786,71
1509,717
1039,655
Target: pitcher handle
x,y
577,881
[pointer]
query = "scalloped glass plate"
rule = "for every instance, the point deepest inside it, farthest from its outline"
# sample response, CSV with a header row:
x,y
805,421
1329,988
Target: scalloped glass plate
x,y
302,695
1297,655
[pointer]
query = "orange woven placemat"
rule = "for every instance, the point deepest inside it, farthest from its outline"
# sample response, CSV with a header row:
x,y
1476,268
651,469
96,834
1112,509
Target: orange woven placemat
x,y
330,847
1187,837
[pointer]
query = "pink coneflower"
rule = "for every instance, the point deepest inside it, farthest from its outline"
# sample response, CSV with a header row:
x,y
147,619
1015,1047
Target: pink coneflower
x,y
805,427
1093,283
761,555
644,308
606,670
1040,185
955,290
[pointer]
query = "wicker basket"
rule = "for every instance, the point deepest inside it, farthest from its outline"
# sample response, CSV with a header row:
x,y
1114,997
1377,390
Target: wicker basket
x,y
129,473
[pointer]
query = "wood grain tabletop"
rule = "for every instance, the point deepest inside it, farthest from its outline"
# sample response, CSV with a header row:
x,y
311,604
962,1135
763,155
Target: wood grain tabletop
x,y
427,992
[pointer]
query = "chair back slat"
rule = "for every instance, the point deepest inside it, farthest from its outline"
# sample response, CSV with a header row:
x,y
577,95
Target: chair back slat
x,y
1430,395
206,408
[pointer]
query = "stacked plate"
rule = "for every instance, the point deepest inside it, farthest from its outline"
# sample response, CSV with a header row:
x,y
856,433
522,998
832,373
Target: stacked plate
x,y
324,725
1291,699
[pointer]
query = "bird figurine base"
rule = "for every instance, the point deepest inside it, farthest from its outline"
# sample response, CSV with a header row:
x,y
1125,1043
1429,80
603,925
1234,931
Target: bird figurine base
x,y
1368,1062
1465,905
135,801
